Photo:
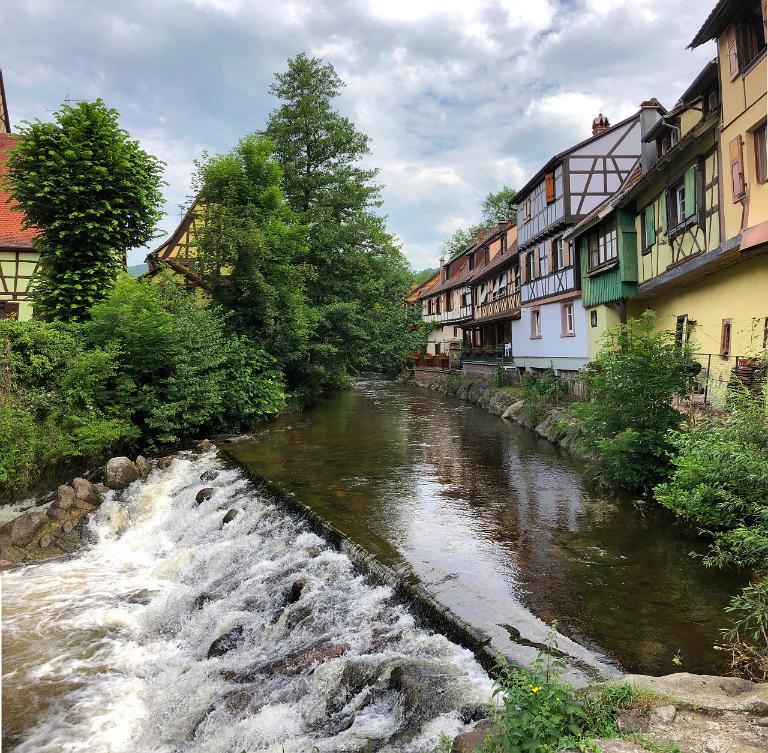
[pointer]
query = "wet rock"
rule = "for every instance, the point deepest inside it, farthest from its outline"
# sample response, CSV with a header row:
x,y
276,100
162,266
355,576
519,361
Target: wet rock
x,y
202,599
662,716
67,526
303,660
165,462
11,554
86,494
295,591
65,497
239,700
230,516
469,742
225,643
56,513
22,530
296,615
208,475
44,541
205,446
204,494
143,466
142,596
120,472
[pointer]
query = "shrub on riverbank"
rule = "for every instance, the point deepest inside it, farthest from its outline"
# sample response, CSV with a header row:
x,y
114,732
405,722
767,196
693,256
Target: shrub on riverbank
x,y
151,367
631,384
719,483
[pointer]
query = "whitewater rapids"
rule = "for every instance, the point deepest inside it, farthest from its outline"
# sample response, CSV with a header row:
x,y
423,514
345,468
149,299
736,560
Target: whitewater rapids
x,y
106,651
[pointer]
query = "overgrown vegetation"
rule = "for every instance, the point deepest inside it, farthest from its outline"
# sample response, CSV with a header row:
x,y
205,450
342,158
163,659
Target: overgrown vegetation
x,y
152,365
93,193
719,482
540,393
627,421
537,712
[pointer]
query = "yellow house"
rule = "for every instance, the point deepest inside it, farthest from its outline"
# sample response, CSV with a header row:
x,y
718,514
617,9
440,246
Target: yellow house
x,y
18,258
701,217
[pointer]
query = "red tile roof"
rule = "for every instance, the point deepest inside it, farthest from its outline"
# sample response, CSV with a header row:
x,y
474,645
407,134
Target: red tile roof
x,y
12,233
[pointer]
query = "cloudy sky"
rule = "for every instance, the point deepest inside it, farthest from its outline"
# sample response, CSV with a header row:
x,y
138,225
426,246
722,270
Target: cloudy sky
x,y
459,96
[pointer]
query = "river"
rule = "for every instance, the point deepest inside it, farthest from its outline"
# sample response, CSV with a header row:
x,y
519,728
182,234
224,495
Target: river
x,y
107,651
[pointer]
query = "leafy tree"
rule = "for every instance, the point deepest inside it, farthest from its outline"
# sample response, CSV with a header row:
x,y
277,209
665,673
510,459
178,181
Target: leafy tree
x,y
359,275
631,384
93,193
251,247
496,207
423,275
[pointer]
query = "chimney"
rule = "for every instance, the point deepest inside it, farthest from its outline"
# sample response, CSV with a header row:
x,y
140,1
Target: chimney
x,y
443,270
600,125
651,111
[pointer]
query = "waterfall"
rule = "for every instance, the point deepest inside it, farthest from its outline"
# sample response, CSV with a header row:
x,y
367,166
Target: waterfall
x,y
108,650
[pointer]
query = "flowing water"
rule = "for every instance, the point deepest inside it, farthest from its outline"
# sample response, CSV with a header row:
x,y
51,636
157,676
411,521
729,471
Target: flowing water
x,y
503,528
107,651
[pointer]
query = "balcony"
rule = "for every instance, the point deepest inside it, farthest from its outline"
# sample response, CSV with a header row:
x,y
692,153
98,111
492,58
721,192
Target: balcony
x,y
458,314
507,306
487,354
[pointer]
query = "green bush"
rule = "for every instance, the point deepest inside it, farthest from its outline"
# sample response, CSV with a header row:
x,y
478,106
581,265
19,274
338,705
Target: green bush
x,y
540,392
627,420
151,366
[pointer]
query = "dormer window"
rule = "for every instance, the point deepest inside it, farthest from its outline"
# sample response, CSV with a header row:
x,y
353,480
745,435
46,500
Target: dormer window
x,y
471,261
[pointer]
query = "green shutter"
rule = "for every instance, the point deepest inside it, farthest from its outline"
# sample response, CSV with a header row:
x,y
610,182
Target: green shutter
x,y
663,211
650,225
690,192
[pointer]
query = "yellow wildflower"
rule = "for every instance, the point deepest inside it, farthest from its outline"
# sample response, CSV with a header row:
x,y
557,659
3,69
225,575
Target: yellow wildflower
x,y
535,689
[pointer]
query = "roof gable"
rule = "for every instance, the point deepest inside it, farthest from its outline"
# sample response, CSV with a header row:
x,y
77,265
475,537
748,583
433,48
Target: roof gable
x,y
13,234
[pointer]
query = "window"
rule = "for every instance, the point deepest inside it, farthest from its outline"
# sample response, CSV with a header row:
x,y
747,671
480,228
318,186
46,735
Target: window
x,y
735,155
449,301
530,266
455,331
543,259
566,320
486,253
559,255
681,330
504,242
464,299
9,310
593,318
438,348
549,185
535,323
527,209
725,338
471,261
603,245
750,34
761,155
682,196
648,228
765,333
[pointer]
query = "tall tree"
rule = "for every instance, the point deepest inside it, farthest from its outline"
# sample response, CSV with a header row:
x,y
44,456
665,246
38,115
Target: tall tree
x,y
496,207
251,247
93,193
360,276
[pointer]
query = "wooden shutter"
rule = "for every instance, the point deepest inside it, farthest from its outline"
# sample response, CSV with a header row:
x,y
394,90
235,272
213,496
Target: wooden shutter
x,y
536,262
690,192
663,211
732,49
563,320
725,338
737,168
650,226
550,256
567,259
524,268
549,183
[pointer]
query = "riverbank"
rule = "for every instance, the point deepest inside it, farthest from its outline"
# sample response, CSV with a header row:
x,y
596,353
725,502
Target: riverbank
x,y
507,403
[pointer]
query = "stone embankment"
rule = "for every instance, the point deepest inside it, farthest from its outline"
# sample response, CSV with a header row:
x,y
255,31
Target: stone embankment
x,y
552,425
55,529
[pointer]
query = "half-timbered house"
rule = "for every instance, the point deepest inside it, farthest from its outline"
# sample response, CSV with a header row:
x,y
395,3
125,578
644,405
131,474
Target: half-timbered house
x,y
177,254
552,330
18,258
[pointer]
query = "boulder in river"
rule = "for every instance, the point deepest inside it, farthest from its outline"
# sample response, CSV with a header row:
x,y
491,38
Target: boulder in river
x,y
65,498
205,446
21,530
142,466
86,494
120,472
56,513
208,475
204,494
230,516
227,642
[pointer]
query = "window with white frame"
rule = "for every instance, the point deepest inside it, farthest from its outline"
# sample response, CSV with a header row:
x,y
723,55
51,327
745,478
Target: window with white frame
x,y
603,245
567,322
559,254
535,322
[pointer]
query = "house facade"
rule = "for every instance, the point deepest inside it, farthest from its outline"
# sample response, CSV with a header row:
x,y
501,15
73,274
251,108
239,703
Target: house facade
x,y
18,259
552,329
701,210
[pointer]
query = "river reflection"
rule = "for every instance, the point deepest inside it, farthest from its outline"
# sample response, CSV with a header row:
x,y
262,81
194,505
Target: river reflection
x,y
502,527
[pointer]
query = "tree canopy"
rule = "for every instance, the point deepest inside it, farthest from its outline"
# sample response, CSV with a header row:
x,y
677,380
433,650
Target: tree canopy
x,y
93,193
